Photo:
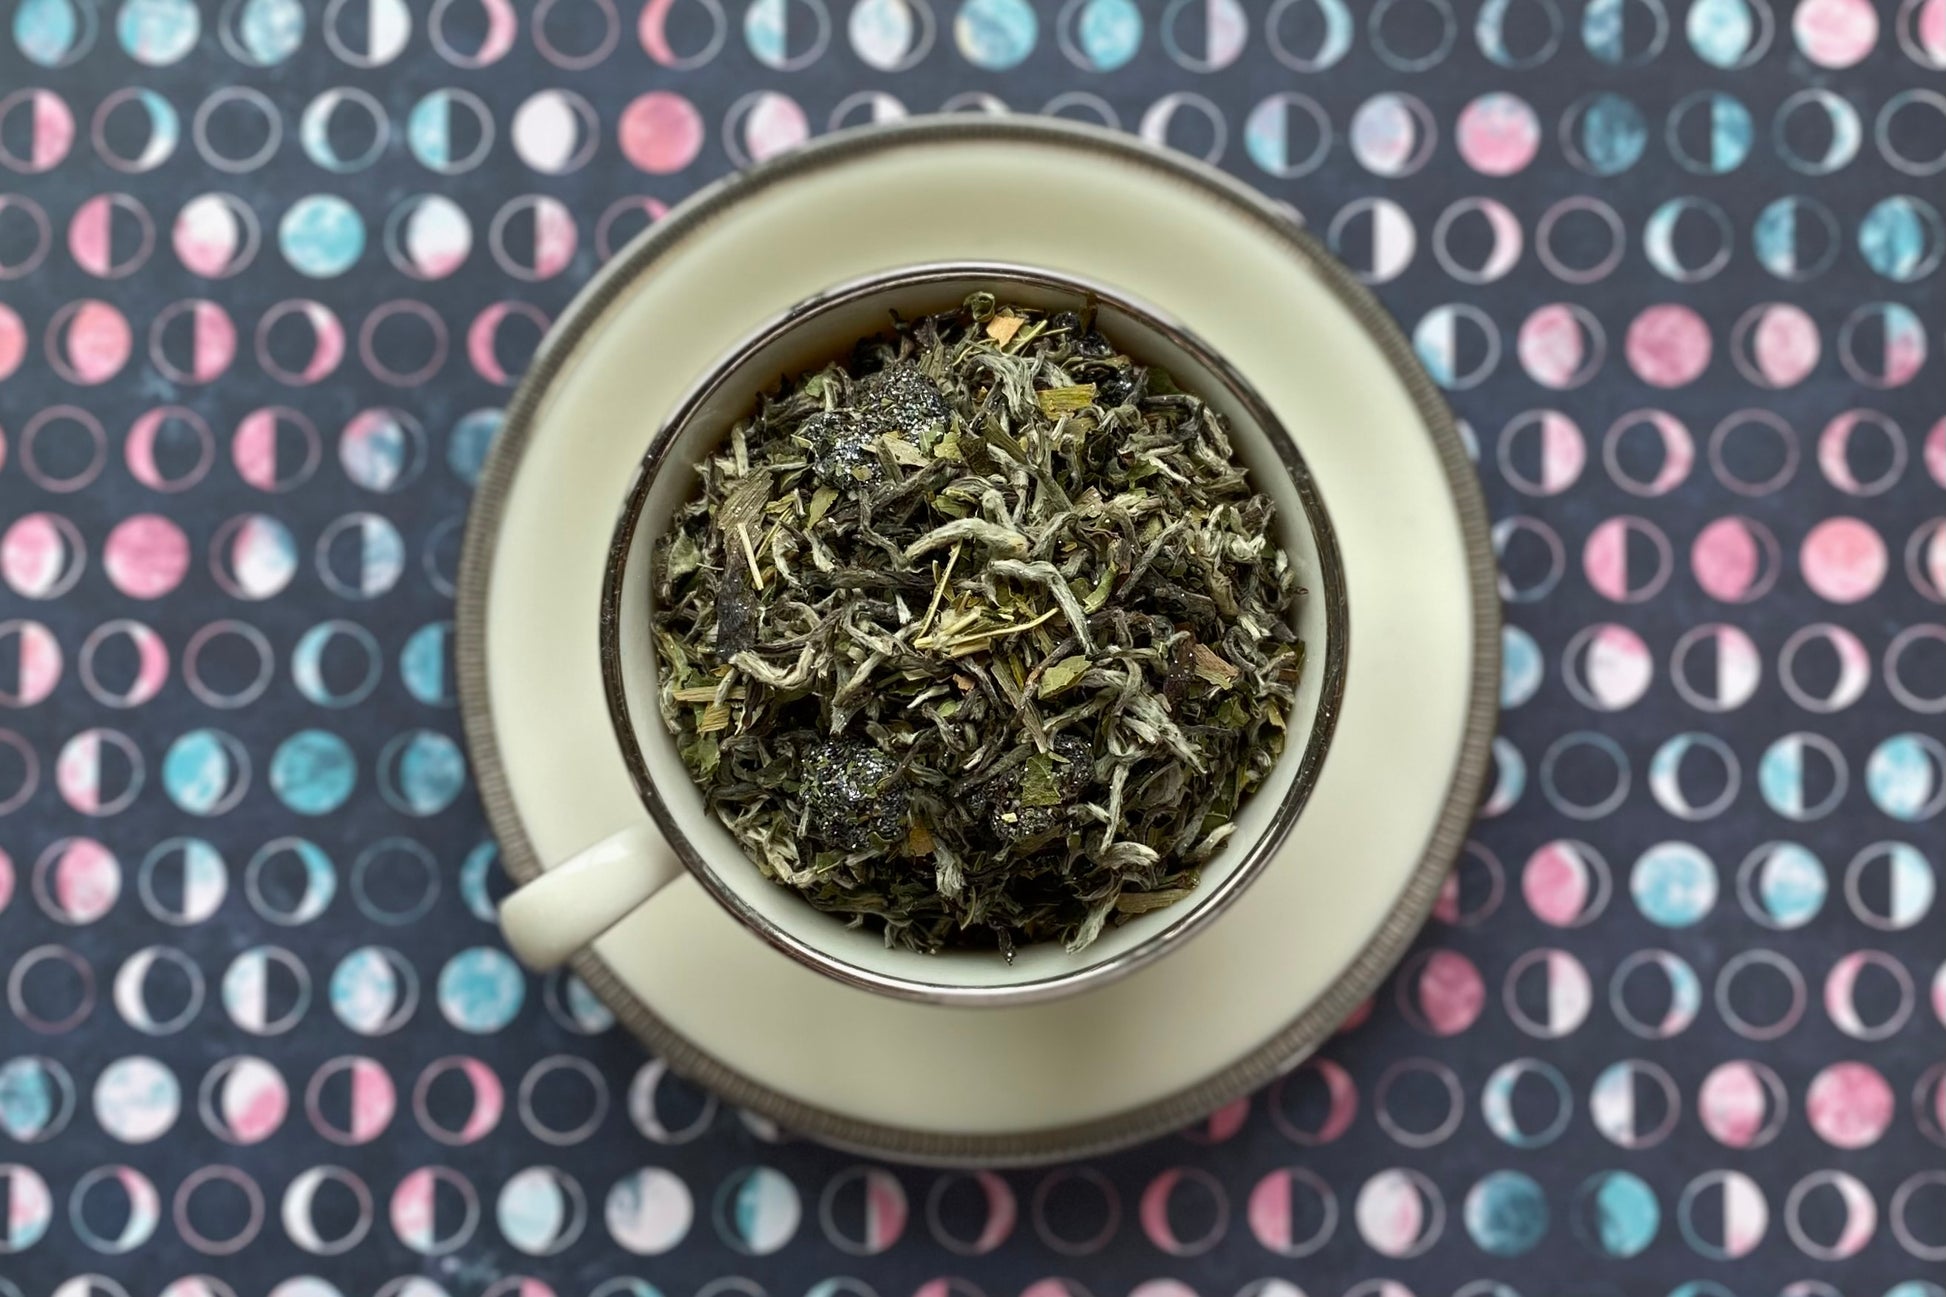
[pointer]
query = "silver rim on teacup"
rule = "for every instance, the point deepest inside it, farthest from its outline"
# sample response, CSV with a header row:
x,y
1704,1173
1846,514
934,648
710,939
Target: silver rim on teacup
x,y
1327,584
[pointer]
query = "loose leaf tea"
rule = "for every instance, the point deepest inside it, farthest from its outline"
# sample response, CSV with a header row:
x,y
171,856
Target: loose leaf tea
x,y
980,636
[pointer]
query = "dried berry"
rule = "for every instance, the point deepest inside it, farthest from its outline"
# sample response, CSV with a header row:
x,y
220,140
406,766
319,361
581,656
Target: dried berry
x,y
899,399
840,445
853,794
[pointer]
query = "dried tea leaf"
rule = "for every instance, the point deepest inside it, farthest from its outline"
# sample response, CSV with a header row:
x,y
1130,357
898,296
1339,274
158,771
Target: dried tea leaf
x,y
1097,598
1145,902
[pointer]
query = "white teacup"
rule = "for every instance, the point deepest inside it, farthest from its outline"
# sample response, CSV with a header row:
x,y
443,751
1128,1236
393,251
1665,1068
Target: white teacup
x,y
576,901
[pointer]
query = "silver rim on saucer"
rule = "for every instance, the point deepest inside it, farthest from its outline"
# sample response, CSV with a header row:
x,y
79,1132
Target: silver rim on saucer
x,y
1359,978
1330,591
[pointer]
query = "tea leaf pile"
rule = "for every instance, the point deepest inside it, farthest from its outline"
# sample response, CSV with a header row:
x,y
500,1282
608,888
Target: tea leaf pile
x,y
979,636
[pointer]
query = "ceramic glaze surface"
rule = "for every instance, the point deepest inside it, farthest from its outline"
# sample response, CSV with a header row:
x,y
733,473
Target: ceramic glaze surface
x,y
809,334
1065,1063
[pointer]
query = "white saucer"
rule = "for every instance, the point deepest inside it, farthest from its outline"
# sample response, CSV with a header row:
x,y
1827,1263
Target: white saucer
x,y
1268,980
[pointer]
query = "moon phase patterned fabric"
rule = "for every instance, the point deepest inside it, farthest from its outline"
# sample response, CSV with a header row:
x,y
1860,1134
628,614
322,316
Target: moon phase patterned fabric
x,y
268,270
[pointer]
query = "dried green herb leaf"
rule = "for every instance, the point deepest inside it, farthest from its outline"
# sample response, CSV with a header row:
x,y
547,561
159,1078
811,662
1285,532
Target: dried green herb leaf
x,y
1039,786
701,756
821,502
745,504
1212,668
1062,675
1056,401
904,452
685,556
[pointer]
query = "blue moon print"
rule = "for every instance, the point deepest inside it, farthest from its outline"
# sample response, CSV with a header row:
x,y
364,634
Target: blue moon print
x,y
996,34
1900,238
322,236
1618,1214
472,437
757,1210
422,664
266,32
1611,134
1490,33
1725,33
1506,1214
318,886
308,664
1521,667
36,1098
586,1013
480,990
1790,885
1105,33
313,772
428,130
1903,776
1674,885
370,991
53,33
158,32
474,872
1335,41
422,772
205,772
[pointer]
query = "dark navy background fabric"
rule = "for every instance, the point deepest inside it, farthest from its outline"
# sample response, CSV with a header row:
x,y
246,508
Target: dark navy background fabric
x,y
268,270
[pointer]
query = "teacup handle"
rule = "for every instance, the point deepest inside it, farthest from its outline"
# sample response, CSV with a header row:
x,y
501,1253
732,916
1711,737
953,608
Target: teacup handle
x,y
567,907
